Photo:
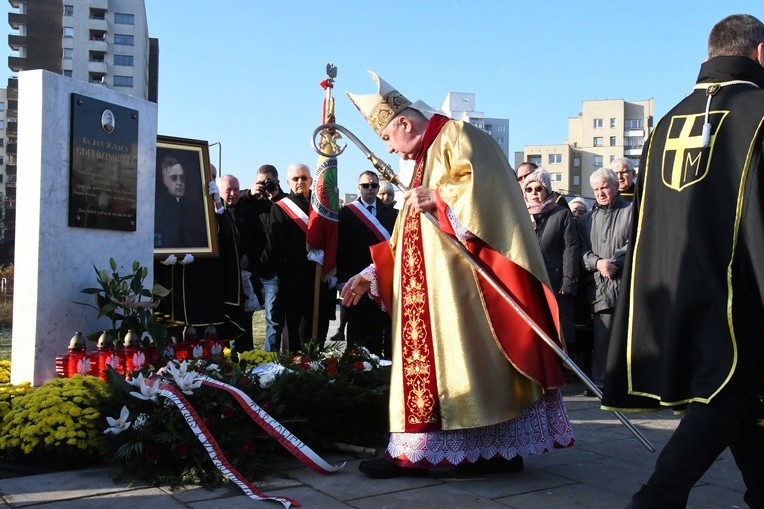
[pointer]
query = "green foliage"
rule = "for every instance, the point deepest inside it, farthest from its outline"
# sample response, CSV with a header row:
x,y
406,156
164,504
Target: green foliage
x,y
125,301
59,420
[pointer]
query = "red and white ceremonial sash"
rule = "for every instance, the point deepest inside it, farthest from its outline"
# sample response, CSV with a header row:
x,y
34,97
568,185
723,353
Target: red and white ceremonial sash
x,y
368,219
257,414
291,209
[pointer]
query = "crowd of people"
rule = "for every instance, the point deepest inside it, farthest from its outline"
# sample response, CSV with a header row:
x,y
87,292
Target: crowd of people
x,y
579,271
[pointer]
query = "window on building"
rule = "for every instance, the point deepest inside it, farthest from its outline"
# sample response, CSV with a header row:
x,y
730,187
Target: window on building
x,y
597,161
124,19
500,139
612,141
123,81
2,106
127,40
576,180
2,124
612,158
576,161
501,128
68,32
632,124
598,123
68,52
2,142
123,60
68,10
535,160
68,73
97,14
555,158
612,122
598,141
555,177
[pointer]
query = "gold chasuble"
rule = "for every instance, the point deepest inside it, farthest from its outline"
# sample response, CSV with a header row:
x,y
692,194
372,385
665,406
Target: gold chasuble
x,y
450,371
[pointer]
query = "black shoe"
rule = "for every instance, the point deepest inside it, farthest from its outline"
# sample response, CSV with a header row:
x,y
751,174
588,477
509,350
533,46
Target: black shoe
x,y
492,466
337,337
381,469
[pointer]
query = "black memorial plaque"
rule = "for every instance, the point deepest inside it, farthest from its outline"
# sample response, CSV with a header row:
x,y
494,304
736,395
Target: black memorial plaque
x,y
103,172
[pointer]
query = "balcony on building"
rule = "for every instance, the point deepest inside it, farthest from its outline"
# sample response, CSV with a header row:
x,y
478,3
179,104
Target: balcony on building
x,y
11,128
97,78
11,182
98,41
632,151
97,19
97,62
10,169
15,20
16,42
99,4
17,64
11,148
13,85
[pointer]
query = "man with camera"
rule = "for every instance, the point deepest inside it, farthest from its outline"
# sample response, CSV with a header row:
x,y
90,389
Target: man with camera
x,y
264,193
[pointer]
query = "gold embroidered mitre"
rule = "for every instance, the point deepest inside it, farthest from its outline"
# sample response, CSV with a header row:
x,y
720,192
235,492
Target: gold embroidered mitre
x,y
379,109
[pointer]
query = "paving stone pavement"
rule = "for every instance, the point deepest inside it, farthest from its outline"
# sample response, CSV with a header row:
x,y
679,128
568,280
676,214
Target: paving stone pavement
x,y
602,470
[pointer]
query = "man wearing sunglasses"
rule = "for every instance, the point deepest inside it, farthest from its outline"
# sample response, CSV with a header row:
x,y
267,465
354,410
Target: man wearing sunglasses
x,y
296,272
362,224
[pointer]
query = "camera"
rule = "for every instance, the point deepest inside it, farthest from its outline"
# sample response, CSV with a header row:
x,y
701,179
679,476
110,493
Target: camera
x,y
269,185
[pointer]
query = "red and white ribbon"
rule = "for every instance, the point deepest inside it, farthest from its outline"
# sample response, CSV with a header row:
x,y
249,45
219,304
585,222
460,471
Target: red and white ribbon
x,y
257,414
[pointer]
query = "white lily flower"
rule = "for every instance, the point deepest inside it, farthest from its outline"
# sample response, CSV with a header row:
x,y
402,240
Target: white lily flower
x,y
212,367
148,392
117,426
177,371
187,384
366,366
314,366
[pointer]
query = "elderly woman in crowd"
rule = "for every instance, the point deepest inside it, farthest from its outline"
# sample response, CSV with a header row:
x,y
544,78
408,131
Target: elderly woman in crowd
x,y
577,208
556,233
386,193
603,233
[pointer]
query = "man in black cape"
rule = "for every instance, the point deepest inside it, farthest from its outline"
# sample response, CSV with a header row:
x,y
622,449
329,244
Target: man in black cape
x,y
689,329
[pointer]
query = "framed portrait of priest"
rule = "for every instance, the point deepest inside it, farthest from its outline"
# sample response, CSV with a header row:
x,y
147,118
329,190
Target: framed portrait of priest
x,y
184,215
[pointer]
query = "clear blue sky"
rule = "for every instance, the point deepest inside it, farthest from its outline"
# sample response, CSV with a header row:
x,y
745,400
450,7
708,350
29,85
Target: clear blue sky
x,y
246,73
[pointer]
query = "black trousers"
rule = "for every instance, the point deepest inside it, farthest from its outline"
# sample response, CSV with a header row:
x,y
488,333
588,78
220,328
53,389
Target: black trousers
x,y
369,326
729,420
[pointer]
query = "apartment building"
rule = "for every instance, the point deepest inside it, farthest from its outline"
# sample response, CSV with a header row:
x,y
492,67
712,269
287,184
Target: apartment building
x,y
461,106
104,42
602,131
